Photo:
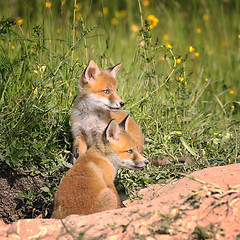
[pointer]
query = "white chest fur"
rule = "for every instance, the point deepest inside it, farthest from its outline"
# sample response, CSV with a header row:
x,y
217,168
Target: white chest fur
x,y
88,122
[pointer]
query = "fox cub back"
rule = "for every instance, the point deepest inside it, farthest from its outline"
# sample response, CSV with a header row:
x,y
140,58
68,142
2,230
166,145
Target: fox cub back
x,y
96,104
88,187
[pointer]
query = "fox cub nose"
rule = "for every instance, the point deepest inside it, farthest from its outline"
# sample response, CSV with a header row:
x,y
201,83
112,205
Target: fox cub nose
x,y
122,104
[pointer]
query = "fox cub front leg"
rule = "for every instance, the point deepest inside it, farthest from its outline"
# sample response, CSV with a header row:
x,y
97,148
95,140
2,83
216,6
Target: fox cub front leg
x,y
79,147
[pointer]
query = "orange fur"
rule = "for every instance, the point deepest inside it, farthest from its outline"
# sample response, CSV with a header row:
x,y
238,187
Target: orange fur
x,y
88,186
97,103
134,129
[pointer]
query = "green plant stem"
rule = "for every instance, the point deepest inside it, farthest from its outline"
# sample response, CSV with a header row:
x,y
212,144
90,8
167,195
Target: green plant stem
x,y
140,11
85,41
163,84
74,27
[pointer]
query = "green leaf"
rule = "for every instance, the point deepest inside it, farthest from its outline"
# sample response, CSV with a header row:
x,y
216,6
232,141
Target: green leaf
x,y
190,149
22,153
45,189
22,195
67,164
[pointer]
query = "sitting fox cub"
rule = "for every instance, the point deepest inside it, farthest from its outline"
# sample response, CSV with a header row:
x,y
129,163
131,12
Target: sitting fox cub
x,y
96,104
88,187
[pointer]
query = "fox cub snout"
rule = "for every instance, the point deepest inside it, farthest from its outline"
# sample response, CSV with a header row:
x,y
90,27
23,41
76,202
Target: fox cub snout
x,y
88,187
96,104
101,87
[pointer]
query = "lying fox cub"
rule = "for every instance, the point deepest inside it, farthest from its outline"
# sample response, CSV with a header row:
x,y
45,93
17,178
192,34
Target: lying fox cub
x,y
88,187
96,104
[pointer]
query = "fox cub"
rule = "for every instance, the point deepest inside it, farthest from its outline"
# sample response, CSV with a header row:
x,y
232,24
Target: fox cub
x,y
96,104
88,187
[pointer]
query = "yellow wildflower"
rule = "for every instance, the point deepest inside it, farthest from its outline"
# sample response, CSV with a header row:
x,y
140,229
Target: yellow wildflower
x,y
223,43
58,31
206,79
20,21
178,60
146,3
13,47
114,21
231,91
78,7
165,37
205,17
77,59
168,45
123,13
196,54
154,24
198,30
151,17
48,4
117,14
153,20
181,79
105,10
239,36
191,49
178,132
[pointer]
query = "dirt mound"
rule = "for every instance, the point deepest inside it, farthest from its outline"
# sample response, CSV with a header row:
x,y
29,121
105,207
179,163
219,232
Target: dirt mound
x,y
204,205
12,206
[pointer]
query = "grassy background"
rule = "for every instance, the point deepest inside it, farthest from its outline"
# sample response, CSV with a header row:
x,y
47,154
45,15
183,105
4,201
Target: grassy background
x,y
179,79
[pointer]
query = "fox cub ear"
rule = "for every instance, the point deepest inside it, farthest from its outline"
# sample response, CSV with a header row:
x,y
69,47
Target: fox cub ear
x,y
113,70
91,71
124,123
112,130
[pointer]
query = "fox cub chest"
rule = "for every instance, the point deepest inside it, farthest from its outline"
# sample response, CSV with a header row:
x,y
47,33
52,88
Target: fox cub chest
x,y
92,125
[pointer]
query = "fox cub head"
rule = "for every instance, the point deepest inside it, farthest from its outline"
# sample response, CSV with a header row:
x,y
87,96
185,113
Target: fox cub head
x,y
100,87
120,148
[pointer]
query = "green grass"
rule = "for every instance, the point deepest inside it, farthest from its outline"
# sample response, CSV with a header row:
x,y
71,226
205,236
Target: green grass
x,y
185,109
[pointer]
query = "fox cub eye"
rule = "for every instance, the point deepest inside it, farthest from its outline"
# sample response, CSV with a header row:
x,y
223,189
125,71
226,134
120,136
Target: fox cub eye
x,y
130,151
106,91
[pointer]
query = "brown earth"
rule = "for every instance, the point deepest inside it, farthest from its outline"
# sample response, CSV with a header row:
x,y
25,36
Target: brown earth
x,y
204,205
12,206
